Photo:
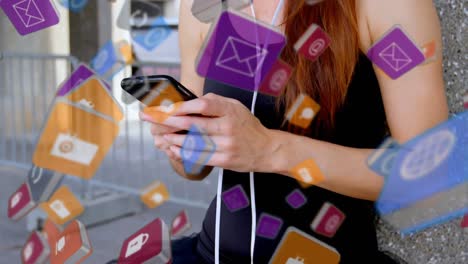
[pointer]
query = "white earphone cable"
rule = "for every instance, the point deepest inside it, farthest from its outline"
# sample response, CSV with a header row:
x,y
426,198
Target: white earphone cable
x,y
251,174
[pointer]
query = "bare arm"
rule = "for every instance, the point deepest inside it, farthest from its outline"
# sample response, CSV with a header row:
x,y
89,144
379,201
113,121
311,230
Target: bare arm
x,y
413,103
190,42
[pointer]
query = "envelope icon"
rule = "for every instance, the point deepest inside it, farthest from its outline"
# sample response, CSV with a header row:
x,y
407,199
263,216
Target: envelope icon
x,y
395,57
241,57
29,13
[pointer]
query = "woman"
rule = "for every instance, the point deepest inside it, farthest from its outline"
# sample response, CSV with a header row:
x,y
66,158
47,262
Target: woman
x,y
360,106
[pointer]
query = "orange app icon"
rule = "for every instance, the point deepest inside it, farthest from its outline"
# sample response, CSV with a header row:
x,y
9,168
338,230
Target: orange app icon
x,y
74,140
155,194
51,231
125,50
308,172
71,246
93,95
63,206
297,247
303,111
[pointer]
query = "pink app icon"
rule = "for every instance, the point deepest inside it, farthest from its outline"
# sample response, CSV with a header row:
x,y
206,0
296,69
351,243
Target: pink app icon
x,y
465,101
20,203
150,244
328,220
180,224
276,79
36,249
313,42
464,223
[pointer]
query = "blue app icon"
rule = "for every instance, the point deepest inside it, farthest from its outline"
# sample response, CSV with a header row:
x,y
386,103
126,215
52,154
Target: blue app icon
x,y
75,6
105,63
381,160
429,177
196,151
153,37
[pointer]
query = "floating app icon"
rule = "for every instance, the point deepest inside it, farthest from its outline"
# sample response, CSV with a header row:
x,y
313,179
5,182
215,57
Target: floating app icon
x,y
196,150
427,183
152,38
43,183
63,206
29,16
239,51
81,74
276,79
465,101
75,6
51,232
154,195
235,198
208,10
125,51
150,244
180,224
395,53
36,250
296,199
269,226
299,247
303,111
92,94
76,138
381,160
142,14
20,203
464,222
429,50
313,42
106,62
72,245
308,172
328,220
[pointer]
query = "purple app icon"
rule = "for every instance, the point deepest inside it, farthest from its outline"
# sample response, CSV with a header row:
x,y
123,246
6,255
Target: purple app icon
x,y
296,199
269,226
239,51
235,198
81,74
395,53
29,16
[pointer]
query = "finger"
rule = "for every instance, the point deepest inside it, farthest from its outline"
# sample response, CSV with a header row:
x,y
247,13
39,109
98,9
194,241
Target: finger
x,y
160,129
221,143
209,125
161,143
171,155
208,105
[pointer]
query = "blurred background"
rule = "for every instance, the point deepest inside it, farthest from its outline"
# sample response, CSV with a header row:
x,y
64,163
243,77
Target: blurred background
x,y
33,66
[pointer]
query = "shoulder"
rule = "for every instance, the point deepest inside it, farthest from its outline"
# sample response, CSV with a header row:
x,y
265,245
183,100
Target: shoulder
x,y
375,17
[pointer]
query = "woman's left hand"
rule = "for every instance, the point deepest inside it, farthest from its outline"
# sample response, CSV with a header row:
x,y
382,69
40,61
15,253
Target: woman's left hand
x,y
242,142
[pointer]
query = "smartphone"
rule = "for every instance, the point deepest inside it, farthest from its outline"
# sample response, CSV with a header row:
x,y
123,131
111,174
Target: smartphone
x,y
155,90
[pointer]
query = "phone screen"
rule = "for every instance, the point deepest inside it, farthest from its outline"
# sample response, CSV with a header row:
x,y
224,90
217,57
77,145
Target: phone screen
x,y
154,91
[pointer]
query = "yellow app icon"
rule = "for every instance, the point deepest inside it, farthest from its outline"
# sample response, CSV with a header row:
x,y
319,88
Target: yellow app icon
x,y
125,50
94,95
164,94
298,247
74,141
63,206
308,172
154,195
303,111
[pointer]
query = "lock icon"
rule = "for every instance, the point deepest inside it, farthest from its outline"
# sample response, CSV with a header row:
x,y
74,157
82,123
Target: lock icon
x,y
297,260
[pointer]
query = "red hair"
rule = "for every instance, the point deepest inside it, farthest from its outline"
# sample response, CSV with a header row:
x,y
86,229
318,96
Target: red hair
x,y
326,80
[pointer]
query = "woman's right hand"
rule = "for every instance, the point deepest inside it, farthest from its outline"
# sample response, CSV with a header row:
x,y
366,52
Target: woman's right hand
x,y
158,131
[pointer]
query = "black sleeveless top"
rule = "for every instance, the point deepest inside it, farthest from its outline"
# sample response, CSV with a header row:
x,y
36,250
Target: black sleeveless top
x,y
360,123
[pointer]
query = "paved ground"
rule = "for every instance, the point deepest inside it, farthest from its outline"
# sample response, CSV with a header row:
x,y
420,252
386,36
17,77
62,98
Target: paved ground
x,y
106,238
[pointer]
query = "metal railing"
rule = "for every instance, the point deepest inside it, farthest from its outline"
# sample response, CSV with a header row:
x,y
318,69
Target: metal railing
x,y
28,83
